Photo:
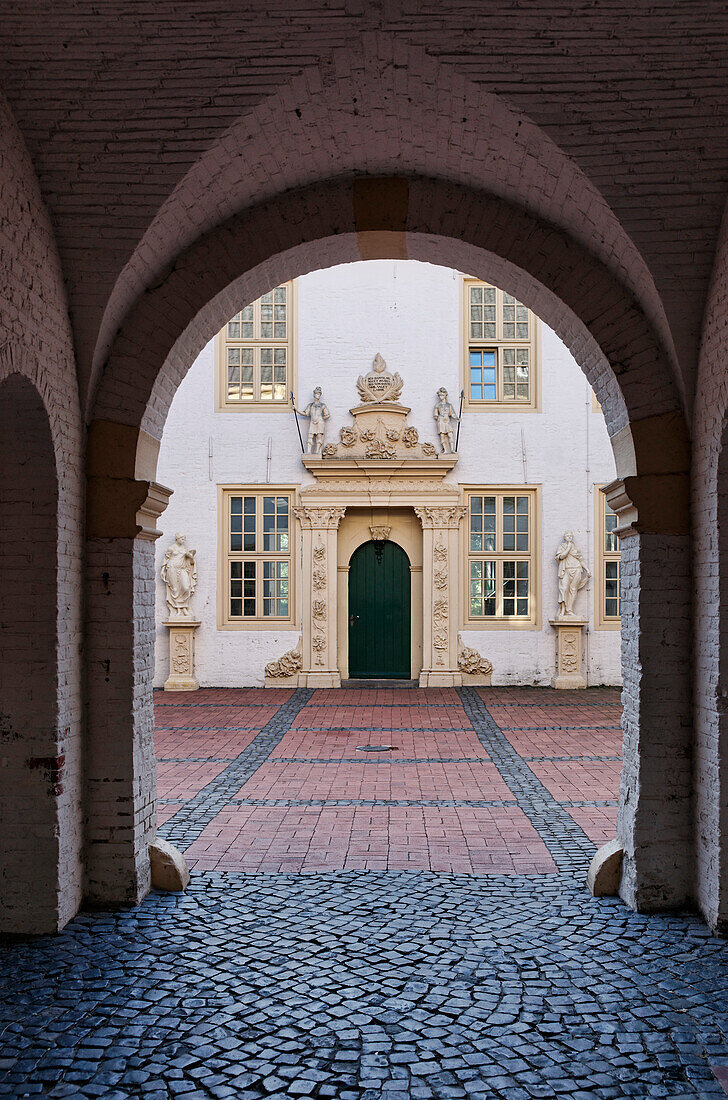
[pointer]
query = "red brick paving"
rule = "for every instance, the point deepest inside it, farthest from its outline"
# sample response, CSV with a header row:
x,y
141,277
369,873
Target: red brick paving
x,y
598,822
334,744
378,779
306,839
501,696
220,744
467,839
526,717
215,717
573,742
579,781
371,697
379,717
165,811
270,697
185,780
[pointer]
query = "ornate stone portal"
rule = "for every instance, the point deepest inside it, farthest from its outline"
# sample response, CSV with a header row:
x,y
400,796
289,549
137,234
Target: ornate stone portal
x,y
179,573
380,464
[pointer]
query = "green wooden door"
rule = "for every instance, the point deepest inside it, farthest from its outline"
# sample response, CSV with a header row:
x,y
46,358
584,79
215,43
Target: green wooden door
x,y
379,612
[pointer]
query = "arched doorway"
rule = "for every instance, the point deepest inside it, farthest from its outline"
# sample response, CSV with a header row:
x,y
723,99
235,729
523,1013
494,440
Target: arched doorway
x,y
379,612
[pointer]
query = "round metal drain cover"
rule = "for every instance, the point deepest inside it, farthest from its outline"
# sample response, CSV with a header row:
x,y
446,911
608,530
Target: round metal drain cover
x,y
375,748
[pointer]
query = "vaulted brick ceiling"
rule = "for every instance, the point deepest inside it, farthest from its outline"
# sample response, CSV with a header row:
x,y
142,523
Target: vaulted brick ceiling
x,y
117,101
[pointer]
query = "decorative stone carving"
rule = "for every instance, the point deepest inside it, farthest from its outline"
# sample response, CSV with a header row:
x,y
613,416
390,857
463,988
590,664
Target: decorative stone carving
x,y
380,534
573,575
319,579
440,552
440,519
287,665
322,518
318,612
319,554
179,573
379,384
378,449
318,645
318,413
569,651
380,431
444,415
181,655
472,663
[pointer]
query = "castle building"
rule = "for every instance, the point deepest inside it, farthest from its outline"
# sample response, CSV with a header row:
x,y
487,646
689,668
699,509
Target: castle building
x,y
404,524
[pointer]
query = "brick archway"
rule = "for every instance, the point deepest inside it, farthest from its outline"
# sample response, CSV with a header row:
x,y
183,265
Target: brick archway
x,y
605,327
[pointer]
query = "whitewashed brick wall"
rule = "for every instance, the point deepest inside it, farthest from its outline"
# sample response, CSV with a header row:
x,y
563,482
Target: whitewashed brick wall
x,y
410,312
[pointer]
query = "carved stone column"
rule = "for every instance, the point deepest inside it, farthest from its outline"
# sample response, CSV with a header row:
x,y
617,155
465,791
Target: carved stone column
x,y
440,595
319,531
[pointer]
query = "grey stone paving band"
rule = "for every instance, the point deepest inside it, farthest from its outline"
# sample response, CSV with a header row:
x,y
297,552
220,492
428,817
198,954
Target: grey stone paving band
x,y
199,811
371,802
567,843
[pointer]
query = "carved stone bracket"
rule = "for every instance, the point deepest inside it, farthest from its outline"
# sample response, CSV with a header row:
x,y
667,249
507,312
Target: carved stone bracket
x,y
380,533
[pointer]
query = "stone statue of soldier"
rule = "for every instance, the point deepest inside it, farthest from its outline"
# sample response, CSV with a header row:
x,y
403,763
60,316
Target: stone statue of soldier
x,y
317,412
445,414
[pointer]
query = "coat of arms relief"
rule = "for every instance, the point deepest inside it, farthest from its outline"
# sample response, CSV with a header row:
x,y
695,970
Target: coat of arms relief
x,y
380,429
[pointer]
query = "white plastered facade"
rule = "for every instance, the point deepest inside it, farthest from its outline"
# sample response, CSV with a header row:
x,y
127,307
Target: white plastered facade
x,y
410,313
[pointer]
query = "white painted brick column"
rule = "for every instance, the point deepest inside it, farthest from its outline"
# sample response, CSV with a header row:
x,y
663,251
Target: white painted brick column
x,y
655,802
120,763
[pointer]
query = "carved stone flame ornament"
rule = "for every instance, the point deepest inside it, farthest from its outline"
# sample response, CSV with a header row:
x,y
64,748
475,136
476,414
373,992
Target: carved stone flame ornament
x,y
474,665
288,665
379,384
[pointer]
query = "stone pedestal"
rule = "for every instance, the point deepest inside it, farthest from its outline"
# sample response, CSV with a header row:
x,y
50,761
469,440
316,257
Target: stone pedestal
x,y
182,655
569,653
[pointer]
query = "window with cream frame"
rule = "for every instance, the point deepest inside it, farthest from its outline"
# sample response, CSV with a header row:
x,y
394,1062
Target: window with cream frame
x,y
608,610
257,564
500,351
501,557
255,354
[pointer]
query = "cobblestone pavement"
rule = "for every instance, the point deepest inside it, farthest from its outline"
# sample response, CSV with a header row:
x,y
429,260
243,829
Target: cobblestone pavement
x,y
382,970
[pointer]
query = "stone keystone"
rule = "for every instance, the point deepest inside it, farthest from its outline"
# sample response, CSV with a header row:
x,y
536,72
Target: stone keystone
x,y
169,868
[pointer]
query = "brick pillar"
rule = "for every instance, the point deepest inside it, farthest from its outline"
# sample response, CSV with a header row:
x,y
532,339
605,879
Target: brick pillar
x,y
120,759
654,820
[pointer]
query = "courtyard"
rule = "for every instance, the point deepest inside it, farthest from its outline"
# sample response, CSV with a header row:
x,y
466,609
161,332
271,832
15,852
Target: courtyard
x,y
387,900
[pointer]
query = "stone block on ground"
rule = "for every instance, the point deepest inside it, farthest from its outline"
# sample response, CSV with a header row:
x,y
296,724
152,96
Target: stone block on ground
x,y
169,868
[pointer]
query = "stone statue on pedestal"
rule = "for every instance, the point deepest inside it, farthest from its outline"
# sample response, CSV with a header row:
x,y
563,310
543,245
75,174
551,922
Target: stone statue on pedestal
x,y
179,573
573,575
444,414
317,412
